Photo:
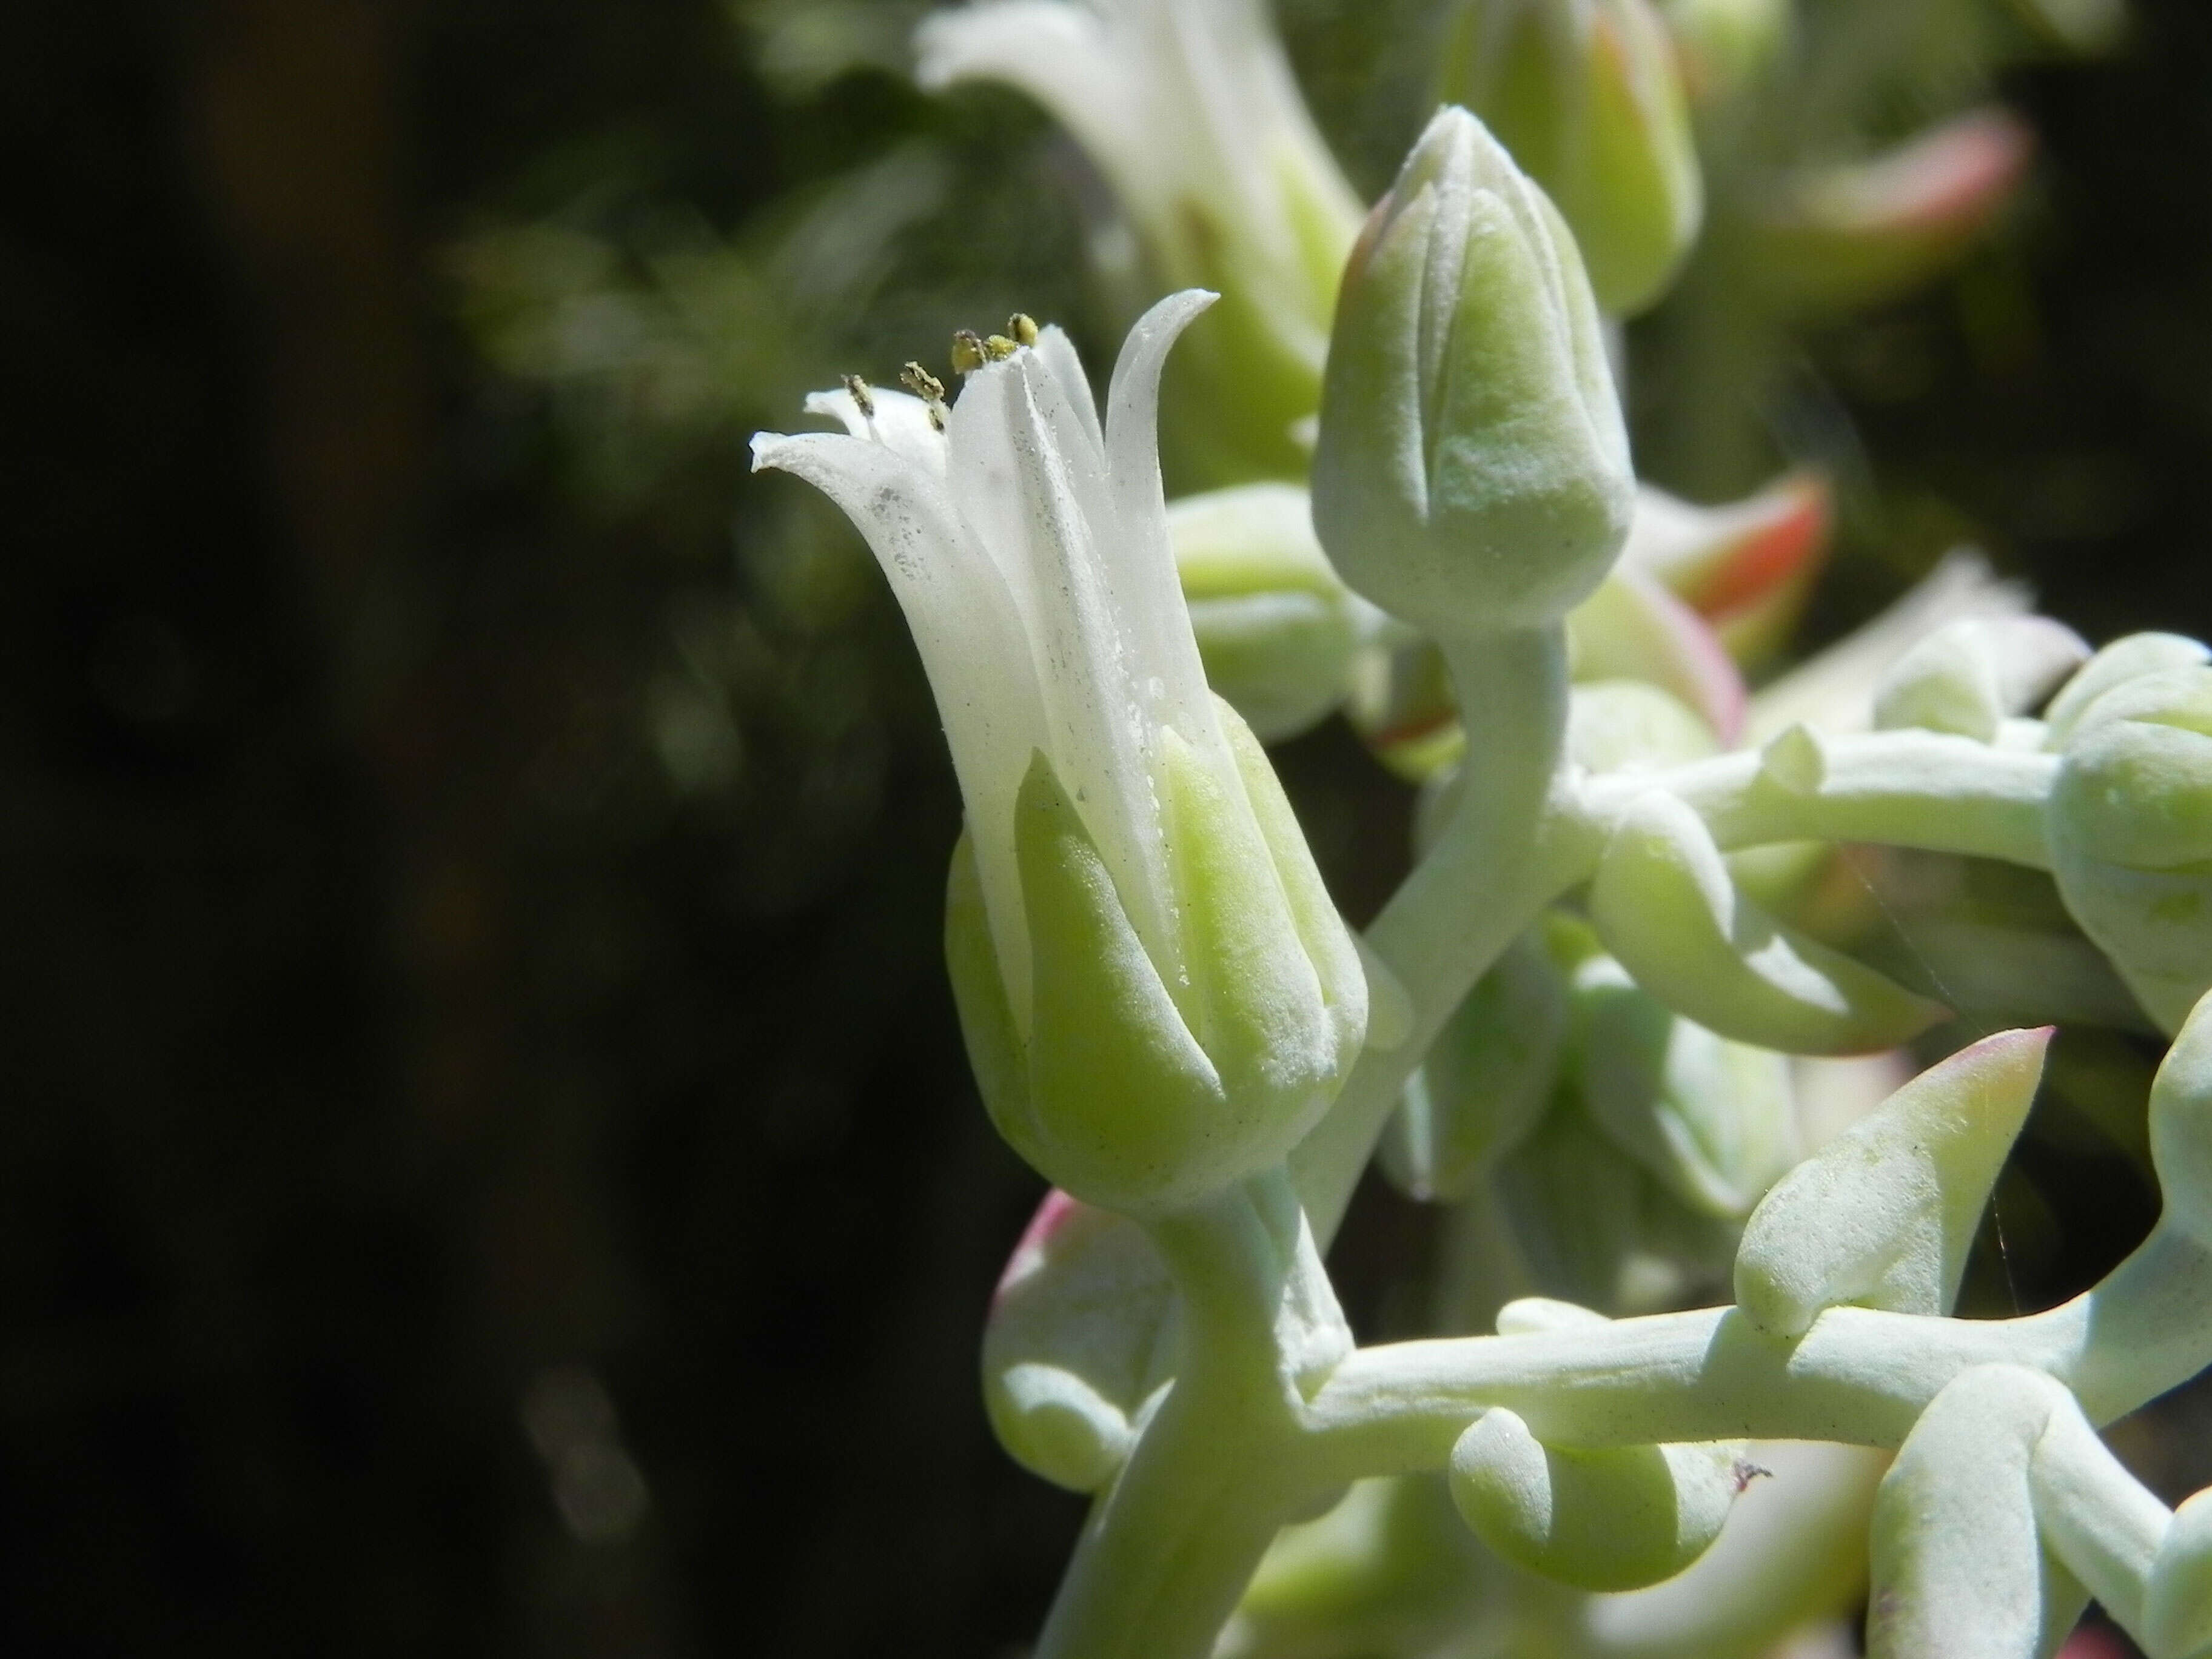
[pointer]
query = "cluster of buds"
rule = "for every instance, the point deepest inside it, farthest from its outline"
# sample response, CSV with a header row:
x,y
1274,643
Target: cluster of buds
x,y
1586,1021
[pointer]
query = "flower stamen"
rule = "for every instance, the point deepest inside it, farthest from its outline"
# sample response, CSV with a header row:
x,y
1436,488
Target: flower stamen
x,y
927,387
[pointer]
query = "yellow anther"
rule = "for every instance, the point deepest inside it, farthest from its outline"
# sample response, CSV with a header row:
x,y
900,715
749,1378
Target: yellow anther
x,y
927,387
999,348
863,398
968,354
1023,327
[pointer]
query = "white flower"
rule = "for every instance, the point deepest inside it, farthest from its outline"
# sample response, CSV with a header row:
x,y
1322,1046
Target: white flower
x,y
1190,110
1160,999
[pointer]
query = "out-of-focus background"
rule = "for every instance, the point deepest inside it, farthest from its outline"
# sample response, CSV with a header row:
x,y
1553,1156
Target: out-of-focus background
x,y
487,1165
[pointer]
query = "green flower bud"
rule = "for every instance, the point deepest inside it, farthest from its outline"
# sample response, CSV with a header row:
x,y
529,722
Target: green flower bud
x,y
1074,1347
1968,677
1715,1120
2124,660
1129,1094
1486,1082
1724,43
1614,1519
1884,1214
2130,831
1276,628
1472,472
1664,902
1587,96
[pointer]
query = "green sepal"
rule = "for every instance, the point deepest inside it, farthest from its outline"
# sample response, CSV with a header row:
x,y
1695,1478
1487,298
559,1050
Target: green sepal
x,y
1123,1107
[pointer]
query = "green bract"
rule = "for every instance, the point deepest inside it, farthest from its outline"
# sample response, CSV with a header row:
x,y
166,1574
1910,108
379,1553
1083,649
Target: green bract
x,y
1472,473
1883,1215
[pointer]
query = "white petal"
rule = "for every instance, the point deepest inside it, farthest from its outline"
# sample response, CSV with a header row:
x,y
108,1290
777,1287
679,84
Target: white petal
x,y
1070,60
1036,492
1057,352
901,423
968,631
1154,616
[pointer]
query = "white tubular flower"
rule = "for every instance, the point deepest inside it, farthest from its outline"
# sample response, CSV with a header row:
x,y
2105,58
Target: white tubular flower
x,y
1159,997
1190,110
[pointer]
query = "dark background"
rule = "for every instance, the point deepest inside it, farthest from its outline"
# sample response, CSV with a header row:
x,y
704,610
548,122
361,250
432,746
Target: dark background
x,y
486,1164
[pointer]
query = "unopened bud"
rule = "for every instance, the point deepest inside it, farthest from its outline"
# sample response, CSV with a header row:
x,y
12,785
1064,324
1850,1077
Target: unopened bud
x,y
2130,831
2127,658
1587,96
1073,1346
1472,473
1614,1519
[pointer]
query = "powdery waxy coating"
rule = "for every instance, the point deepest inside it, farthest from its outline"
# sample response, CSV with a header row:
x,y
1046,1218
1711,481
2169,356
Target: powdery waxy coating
x,y
1884,1215
1158,996
1472,472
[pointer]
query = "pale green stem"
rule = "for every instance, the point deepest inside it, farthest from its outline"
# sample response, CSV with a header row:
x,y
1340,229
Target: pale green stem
x,y
1506,853
1169,1547
1521,834
1859,1375
1923,789
2095,1517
